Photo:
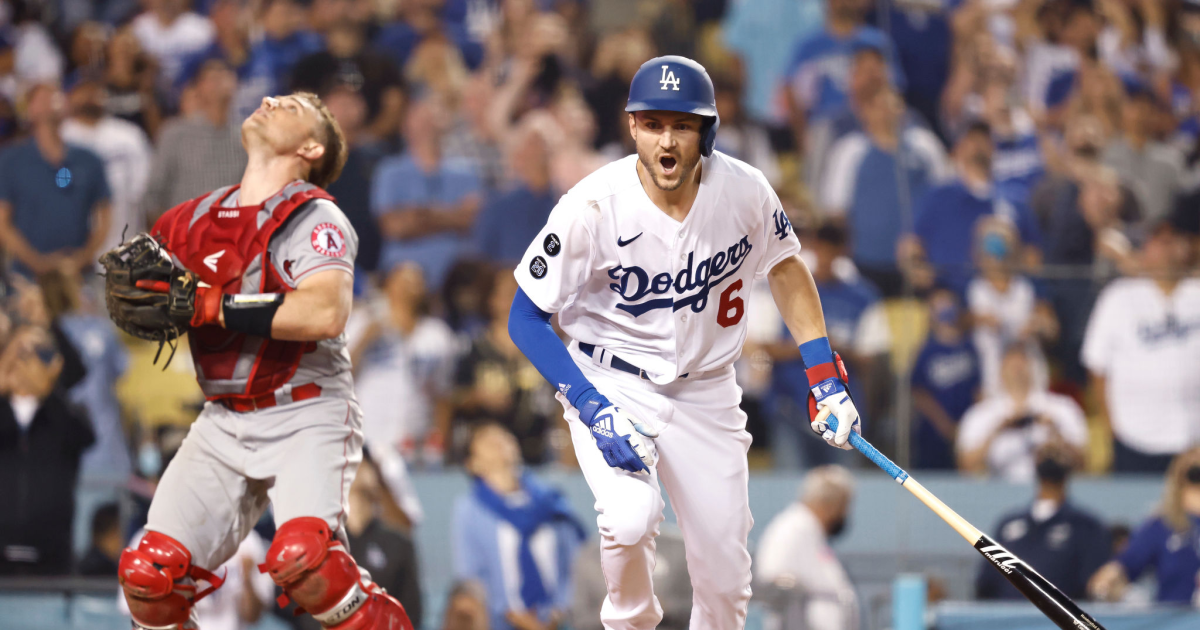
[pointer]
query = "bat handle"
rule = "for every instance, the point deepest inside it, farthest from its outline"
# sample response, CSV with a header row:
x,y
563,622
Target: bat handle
x,y
866,448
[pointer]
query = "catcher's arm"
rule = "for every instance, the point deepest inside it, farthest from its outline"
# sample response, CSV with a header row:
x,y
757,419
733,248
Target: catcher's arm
x,y
317,309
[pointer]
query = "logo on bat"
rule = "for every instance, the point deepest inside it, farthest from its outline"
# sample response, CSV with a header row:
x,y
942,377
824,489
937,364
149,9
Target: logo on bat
x,y
1001,557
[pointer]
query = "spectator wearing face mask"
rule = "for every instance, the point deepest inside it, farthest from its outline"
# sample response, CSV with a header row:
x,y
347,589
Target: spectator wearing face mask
x,y
1166,543
1064,543
1005,307
794,552
42,439
945,383
946,216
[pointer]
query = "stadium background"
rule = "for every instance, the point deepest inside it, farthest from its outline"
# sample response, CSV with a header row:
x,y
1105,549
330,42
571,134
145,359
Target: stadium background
x,y
467,119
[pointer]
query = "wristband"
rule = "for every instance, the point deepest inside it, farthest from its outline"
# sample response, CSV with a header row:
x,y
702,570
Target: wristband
x,y
251,313
816,352
589,404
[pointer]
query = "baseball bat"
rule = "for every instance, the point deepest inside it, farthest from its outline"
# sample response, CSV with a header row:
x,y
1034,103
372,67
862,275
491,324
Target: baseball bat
x,y
1037,589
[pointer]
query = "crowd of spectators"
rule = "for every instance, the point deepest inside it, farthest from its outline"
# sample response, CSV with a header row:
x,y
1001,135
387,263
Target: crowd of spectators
x,y
999,200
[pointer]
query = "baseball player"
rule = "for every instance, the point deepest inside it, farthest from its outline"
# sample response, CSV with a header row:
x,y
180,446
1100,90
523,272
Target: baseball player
x,y
648,262
264,290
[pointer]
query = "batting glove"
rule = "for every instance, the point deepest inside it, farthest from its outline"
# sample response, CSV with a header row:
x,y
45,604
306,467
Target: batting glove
x,y
830,390
625,442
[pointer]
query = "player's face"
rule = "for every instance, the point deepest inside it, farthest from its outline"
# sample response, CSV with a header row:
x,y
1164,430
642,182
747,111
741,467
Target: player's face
x,y
285,124
668,145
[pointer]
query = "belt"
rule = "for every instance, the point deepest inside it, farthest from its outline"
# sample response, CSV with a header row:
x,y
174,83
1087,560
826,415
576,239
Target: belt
x,y
243,405
618,363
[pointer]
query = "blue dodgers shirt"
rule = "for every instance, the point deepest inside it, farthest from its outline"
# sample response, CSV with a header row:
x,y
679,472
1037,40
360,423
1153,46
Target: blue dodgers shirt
x,y
510,221
950,373
52,203
945,223
1175,557
820,68
400,184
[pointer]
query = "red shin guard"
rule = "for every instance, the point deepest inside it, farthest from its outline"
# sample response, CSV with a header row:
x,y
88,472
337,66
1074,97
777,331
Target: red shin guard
x,y
316,572
154,578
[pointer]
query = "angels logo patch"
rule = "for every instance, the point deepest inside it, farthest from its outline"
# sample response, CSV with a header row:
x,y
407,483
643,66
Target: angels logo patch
x,y
328,240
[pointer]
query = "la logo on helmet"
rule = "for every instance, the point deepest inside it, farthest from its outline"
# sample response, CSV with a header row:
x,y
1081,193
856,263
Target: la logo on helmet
x,y
668,78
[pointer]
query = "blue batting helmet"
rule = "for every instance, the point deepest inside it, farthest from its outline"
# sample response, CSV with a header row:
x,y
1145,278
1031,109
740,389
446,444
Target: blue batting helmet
x,y
677,84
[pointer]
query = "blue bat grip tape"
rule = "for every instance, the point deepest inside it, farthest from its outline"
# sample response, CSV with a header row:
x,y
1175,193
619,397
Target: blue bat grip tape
x,y
872,453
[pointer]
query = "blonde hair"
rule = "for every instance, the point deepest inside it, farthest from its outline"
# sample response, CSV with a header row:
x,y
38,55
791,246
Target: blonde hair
x,y
326,169
1172,507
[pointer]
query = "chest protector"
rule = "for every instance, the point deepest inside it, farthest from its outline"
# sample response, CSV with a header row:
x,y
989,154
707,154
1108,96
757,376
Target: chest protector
x,y
227,248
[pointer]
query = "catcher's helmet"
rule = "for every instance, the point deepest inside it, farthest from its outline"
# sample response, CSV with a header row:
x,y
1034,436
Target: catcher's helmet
x,y
677,84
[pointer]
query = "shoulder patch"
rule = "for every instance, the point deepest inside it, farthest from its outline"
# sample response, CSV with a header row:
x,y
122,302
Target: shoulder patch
x,y
537,267
328,240
552,245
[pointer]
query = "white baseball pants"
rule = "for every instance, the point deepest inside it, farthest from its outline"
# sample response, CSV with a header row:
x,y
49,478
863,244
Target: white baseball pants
x,y
702,447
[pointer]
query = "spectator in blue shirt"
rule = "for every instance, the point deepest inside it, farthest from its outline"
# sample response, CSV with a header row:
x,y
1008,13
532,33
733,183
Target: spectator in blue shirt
x,y
54,197
946,216
814,84
873,189
255,76
856,324
494,529
1062,542
426,204
285,40
923,49
945,383
510,220
1168,543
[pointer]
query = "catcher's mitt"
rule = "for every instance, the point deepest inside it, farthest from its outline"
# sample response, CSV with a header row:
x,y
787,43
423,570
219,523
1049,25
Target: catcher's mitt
x,y
146,294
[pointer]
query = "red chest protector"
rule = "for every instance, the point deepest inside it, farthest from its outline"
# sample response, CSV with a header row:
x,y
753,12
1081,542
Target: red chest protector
x,y
227,248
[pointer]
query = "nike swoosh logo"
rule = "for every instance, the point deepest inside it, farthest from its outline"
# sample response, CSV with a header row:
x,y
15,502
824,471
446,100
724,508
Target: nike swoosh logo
x,y
621,243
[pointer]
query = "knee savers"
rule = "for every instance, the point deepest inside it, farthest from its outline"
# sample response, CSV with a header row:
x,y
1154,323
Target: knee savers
x,y
313,570
155,580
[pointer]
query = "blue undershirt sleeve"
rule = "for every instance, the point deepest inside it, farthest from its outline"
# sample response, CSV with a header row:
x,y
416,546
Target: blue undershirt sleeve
x,y
529,327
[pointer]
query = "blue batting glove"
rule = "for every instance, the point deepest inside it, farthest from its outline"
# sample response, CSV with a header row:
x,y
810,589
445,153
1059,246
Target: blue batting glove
x,y
624,441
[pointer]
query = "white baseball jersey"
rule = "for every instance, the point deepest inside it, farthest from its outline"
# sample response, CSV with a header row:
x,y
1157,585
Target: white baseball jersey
x,y
669,297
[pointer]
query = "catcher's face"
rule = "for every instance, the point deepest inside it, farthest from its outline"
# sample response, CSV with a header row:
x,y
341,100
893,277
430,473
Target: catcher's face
x,y
284,125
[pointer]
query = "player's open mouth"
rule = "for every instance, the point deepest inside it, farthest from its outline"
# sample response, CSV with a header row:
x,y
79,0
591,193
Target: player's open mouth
x,y
667,164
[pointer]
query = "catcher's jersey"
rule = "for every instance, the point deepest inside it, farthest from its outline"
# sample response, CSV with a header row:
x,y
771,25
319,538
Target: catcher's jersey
x,y
669,297
316,237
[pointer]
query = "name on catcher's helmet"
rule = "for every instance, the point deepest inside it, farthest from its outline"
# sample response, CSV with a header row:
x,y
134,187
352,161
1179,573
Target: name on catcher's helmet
x,y
677,84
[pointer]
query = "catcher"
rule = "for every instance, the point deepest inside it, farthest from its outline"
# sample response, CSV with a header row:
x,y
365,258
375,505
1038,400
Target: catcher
x,y
259,275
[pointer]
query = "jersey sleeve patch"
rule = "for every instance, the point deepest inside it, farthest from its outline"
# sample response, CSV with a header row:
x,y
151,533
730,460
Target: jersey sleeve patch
x,y
538,267
328,240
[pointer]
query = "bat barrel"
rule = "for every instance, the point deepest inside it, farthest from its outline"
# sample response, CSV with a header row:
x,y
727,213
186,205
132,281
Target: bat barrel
x,y
1052,602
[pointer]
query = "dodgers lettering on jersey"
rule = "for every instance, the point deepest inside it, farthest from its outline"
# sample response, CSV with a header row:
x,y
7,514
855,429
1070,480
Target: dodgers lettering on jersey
x,y
667,296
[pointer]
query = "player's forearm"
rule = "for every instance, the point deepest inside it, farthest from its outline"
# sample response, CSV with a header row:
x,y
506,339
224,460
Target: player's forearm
x,y
530,329
796,296
315,311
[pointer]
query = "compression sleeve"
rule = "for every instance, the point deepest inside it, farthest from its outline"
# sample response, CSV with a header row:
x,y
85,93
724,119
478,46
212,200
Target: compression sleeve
x,y
529,327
